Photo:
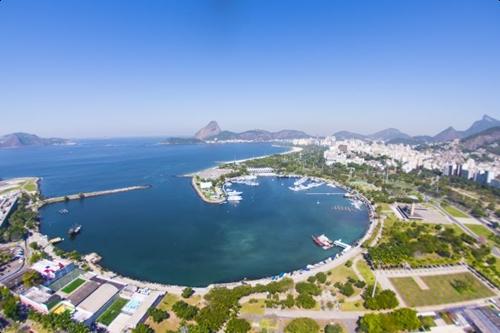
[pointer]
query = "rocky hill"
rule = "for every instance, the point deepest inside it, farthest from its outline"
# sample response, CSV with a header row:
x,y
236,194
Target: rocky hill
x,y
17,140
212,129
488,139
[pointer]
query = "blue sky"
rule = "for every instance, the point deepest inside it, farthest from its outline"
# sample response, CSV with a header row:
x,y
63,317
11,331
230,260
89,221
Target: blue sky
x,y
138,68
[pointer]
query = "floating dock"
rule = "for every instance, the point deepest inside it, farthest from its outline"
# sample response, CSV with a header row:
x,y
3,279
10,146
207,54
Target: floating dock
x,y
341,244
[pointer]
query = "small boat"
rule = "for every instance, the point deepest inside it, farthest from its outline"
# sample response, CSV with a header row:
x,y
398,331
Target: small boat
x,y
75,230
63,211
234,198
56,240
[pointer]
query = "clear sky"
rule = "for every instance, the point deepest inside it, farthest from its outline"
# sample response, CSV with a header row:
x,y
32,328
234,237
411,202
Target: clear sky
x,y
93,68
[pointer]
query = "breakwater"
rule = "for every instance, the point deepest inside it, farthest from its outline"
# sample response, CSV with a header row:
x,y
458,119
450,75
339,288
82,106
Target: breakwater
x,y
82,195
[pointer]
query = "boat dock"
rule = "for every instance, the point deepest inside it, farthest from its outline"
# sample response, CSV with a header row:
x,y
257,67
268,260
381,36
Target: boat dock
x,y
92,194
341,244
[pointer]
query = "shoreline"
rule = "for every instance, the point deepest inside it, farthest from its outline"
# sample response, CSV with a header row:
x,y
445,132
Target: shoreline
x,y
297,275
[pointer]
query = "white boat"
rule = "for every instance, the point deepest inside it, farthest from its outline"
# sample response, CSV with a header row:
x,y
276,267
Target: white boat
x,y
234,198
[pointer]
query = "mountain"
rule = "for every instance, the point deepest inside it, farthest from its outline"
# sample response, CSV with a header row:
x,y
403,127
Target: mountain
x,y
389,134
213,132
212,129
383,135
16,140
346,135
259,135
480,125
448,134
489,139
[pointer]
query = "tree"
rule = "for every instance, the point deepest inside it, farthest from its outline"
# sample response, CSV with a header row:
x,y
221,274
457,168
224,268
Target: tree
x,y
302,325
184,311
348,263
305,301
142,328
307,288
385,299
321,277
236,325
158,315
333,328
396,321
32,278
187,292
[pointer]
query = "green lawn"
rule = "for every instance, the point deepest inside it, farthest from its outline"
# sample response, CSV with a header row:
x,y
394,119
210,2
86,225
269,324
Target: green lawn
x,y
480,230
168,301
70,287
112,312
256,307
440,289
455,212
340,274
365,271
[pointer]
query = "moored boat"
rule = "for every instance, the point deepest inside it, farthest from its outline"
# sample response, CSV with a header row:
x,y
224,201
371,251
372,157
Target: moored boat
x,y
322,241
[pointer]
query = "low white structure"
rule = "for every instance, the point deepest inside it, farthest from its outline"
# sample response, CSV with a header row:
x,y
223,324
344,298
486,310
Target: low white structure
x,y
96,303
51,270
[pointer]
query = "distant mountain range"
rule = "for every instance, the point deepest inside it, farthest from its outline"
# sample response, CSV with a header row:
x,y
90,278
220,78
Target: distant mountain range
x,y
17,140
392,135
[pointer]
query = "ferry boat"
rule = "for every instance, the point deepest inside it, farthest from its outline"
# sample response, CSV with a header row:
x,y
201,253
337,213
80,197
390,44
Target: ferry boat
x,y
75,230
322,241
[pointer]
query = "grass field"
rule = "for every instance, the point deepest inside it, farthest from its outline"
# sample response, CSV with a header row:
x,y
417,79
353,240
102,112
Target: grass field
x,y
112,312
70,287
340,274
455,212
440,289
256,307
352,306
365,271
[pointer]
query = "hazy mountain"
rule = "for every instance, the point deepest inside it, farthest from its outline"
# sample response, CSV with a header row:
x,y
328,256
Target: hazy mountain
x,y
388,134
16,140
383,135
346,135
448,134
480,125
489,138
260,135
395,136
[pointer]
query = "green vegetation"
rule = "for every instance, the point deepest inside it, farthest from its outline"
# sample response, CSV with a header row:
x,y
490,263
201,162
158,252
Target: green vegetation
x,y
185,311
302,325
32,278
365,271
223,302
9,304
112,312
187,292
443,289
397,321
22,218
5,257
142,328
383,299
70,287
333,328
236,325
158,315
453,211
254,306
58,322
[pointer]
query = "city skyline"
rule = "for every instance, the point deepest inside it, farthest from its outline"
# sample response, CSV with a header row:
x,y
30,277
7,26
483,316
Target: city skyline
x,y
167,68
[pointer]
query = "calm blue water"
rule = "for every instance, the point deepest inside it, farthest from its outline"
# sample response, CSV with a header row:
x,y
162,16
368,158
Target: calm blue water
x,y
166,233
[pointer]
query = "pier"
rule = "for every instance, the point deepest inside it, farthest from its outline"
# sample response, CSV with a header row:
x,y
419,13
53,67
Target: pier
x,y
341,244
92,194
